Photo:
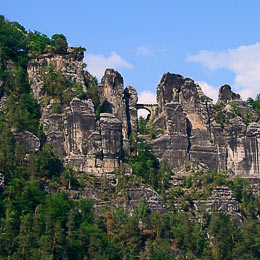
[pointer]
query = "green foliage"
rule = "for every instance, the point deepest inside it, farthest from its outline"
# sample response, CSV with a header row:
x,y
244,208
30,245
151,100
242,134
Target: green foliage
x,y
145,128
80,94
246,116
255,103
60,88
220,116
54,83
142,126
224,232
56,107
92,93
12,39
143,162
37,42
22,109
48,163
23,113
16,80
68,178
60,43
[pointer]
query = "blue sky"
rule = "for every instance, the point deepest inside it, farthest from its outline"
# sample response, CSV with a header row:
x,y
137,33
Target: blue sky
x,y
212,42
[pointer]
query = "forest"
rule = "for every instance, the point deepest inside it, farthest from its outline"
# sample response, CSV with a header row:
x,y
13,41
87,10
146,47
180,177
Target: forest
x,y
36,223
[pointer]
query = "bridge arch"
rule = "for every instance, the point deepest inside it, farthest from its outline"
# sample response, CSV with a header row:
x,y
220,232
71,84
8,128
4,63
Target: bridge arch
x,y
151,108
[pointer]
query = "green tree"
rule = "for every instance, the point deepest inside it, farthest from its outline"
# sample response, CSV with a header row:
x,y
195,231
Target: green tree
x,y
60,43
255,103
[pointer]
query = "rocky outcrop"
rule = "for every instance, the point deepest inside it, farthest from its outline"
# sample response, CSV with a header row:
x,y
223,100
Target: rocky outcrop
x,y
151,198
225,138
237,138
111,140
28,140
111,92
129,200
188,128
174,144
3,101
70,64
95,146
226,95
131,99
220,201
184,112
79,125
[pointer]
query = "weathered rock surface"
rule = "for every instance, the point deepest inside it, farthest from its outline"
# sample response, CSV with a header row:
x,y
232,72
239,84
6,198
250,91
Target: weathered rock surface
x,y
220,201
70,64
187,125
95,146
28,140
152,199
129,200
111,91
131,99
226,95
111,140
184,113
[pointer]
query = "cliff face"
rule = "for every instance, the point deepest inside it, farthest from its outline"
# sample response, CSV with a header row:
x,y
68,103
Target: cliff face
x,y
195,132
70,64
189,129
94,145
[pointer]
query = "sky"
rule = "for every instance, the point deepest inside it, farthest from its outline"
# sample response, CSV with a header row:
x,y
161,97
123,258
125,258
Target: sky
x,y
212,42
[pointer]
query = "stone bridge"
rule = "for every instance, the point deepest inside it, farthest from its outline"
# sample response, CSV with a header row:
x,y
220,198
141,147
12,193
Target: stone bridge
x,y
151,108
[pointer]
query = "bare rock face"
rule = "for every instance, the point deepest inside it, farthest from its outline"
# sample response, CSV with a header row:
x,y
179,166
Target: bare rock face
x,y
174,144
187,124
95,146
152,199
3,101
226,95
28,140
112,140
80,123
237,139
242,149
194,133
111,91
70,64
131,99
220,201
82,141
185,113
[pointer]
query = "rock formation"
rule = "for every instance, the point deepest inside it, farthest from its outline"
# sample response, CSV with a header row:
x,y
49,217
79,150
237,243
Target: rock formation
x,y
188,128
28,140
220,201
111,93
70,64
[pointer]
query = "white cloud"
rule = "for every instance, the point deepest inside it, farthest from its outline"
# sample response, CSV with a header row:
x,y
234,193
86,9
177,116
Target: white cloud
x,y
209,90
97,64
144,51
244,61
146,97
150,51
